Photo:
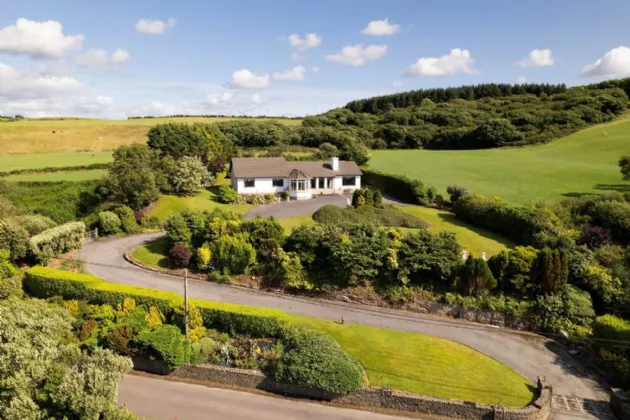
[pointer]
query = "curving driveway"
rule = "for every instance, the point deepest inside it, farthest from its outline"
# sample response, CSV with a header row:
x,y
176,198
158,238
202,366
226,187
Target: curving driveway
x,y
527,354
284,209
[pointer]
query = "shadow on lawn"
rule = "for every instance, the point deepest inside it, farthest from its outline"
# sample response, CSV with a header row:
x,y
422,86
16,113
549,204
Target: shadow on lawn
x,y
622,188
489,391
159,247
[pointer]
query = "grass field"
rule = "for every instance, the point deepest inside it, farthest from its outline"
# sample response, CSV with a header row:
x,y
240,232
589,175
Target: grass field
x,y
58,176
291,223
427,365
584,162
152,254
52,160
168,205
44,136
471,238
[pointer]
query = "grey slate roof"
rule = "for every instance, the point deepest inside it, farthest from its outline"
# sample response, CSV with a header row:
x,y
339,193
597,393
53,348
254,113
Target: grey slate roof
x,y
278,167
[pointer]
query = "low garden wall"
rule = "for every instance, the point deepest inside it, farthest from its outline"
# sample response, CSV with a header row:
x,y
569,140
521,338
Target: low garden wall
x,y
366,397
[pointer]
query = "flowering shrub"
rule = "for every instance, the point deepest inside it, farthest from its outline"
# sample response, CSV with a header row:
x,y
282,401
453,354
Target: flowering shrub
x,y
179,256
56,241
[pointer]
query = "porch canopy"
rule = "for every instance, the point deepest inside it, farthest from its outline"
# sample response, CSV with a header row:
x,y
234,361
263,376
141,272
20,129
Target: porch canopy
x,y
299,181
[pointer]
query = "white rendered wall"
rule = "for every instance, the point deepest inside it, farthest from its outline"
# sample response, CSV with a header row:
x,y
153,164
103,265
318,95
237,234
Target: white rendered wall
x,y
261,186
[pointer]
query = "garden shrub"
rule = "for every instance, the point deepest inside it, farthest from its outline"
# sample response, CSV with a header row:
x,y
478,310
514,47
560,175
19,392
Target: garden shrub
x,y
56,241
315,360
233,254
14,238
46,282
154,318
110,223
151,222
204,258
167,343
201,350
34,223
257,199
118,340
265,234
127,219
177,230
401,187
613,332
179,256
227,194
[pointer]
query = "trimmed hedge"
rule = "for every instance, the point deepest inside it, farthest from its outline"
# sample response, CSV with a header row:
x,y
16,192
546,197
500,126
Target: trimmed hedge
x,y
613,330
89,167
315,360
520,224
401,187
168,343
46,282
57,240
386,216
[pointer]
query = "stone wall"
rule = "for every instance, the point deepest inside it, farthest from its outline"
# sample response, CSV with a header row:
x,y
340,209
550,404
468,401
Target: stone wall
x,y
620,404
367,397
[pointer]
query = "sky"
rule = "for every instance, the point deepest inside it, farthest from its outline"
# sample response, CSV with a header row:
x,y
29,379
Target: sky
x,y
115,59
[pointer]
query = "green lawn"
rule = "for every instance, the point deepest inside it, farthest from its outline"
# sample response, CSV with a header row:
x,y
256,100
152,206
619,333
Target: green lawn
x,y
471,238
584,162
427,365
58,176
152,254
168,205
291,223
45,160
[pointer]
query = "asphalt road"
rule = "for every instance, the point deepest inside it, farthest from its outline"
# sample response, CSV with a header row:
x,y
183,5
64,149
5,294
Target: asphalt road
x,y
167,400
283,210
530,355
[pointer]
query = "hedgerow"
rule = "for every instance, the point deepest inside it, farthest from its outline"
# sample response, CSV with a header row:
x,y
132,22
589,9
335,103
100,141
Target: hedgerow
x,y
57,240
166,342
45,282
401,187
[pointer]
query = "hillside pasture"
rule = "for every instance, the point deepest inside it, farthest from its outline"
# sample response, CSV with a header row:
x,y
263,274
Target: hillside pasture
x,y
57,176
582,163
12,162
68,135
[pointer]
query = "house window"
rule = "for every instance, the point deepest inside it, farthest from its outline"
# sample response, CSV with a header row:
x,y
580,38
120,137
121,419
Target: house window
x,y
250,182
278,182
322,183
313,183
349,181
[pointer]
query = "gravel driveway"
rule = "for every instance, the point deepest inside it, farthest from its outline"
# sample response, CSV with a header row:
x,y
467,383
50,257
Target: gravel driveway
x,y
286,209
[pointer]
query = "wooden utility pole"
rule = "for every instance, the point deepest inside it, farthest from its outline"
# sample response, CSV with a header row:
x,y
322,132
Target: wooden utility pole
x,y
186,300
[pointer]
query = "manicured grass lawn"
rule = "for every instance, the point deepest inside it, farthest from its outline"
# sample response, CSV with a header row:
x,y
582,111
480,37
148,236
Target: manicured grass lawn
x,y
58,176
291,223
168,205
36,136
584,162
152,254
427,365
45,160
472,239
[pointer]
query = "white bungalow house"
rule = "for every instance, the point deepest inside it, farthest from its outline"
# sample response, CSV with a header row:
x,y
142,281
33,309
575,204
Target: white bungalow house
x,y
302,179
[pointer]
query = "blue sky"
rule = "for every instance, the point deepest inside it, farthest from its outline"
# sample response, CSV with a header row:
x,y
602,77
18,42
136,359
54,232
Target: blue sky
x,y
115,59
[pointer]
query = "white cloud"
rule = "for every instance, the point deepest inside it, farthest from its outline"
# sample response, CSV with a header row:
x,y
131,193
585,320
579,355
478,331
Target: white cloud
x,y
154,27
615,62
218,99
357,55
315,70
295,56
521,80
457,61
537,58
19,84
75,106
247,80
100,58
310,40
293,75
397,83
380,28
38,39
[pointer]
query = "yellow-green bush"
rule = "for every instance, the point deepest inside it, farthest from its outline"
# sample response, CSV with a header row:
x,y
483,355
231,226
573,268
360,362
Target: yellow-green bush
x,y
46,282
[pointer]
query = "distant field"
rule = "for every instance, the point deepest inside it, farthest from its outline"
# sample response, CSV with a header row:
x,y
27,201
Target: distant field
x,y
45,160
44,136
584,162
58,176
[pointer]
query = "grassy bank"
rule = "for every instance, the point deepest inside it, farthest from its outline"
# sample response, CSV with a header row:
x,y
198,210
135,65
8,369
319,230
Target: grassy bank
x,y
584,162
168,205
58,176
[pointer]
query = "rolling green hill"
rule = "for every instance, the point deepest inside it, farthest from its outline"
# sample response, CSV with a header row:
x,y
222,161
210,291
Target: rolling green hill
x,y
584,162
